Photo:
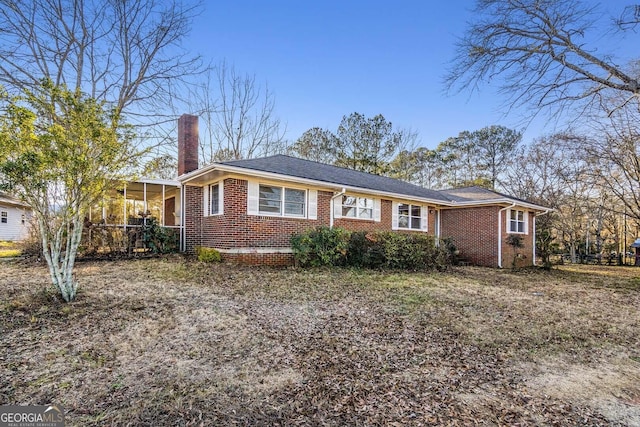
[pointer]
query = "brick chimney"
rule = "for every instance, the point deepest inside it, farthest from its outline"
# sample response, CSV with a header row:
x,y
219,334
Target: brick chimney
x,y
187,144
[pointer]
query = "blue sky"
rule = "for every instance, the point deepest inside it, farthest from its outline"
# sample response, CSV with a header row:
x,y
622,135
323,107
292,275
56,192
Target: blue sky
x,y
326,59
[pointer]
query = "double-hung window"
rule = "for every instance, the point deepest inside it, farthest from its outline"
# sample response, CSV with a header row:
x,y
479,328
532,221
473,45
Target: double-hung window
x,y
214,199
409,216
357,207
3,217
274,200
517,221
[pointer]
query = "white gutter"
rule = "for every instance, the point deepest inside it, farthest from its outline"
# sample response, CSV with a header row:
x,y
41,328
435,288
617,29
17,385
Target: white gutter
x,y
438,225
534,232
500,233
333,198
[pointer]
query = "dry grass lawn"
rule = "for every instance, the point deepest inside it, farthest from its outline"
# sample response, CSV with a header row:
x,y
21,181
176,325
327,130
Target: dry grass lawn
x,y
173,342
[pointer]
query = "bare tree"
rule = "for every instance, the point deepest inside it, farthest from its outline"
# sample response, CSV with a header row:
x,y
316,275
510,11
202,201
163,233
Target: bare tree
x,y
127,53
614,154
544,53
239,116
553,173
629,17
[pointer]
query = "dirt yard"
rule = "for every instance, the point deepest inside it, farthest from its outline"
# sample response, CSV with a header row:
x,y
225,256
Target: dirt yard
x,y
172,342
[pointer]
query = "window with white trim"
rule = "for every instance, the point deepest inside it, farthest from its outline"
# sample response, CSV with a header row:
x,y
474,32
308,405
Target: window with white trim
x,y
409,216
4,217
273,200
214,199
517,221
357,207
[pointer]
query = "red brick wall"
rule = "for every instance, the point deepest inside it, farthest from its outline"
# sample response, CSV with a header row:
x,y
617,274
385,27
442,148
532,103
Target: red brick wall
x,y
384,224
273,259
353,224
523,256
474,230
235,229
193,217
475,234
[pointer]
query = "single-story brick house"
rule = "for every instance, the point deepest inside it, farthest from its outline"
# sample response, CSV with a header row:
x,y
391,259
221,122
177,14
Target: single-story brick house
x,y
249,209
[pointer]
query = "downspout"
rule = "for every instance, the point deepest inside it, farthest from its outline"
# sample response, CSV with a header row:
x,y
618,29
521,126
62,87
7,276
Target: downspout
x,y
438,225
500,233
333,198
534,233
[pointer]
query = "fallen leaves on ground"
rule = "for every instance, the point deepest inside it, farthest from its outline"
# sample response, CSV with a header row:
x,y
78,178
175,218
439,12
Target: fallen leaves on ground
x,y
173,342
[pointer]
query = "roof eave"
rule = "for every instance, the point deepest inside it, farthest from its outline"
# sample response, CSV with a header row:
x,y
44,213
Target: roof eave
x,y
499,201
282,177
14,203
171,182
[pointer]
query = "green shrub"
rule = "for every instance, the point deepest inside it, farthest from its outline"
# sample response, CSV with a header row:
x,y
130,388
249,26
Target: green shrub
x,y
335,247
320,246
161,240
365,251
208,254
412,252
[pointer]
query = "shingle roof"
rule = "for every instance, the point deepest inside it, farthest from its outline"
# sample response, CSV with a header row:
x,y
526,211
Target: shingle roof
x,y
307,169
476,194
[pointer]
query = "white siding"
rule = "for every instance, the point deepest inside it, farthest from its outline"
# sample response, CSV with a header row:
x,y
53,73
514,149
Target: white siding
x,y
14,229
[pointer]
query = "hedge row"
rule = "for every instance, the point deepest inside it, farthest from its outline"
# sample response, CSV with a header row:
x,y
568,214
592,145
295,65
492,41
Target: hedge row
x,y
326,246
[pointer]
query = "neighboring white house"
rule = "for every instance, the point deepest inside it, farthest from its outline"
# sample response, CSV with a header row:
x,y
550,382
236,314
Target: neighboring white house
x,y
15,218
